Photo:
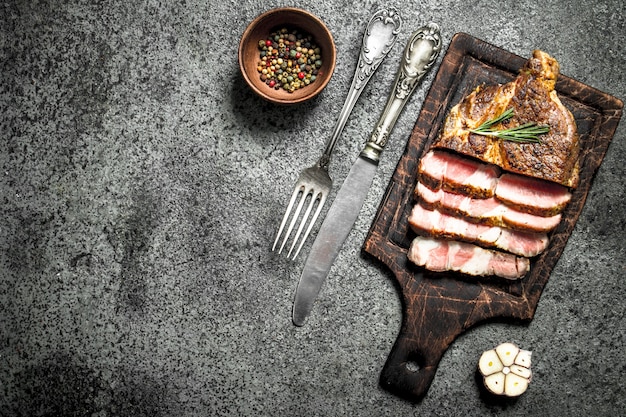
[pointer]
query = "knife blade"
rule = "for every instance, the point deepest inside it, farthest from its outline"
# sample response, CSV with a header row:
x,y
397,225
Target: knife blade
x,y
418,57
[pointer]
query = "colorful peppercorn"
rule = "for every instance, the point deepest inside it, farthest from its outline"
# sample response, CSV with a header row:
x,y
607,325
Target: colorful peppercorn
x,y
288,59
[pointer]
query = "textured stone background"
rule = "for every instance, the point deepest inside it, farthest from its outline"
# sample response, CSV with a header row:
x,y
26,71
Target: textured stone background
x,y
141,184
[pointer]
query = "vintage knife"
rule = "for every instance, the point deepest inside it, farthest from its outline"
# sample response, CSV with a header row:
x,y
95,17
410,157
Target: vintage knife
x,y
419,56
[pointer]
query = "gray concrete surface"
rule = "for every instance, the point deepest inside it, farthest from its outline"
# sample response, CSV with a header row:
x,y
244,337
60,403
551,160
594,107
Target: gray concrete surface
x,y
141,184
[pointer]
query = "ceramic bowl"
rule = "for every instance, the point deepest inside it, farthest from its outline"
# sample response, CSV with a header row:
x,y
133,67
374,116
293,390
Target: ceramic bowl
x,y
304,23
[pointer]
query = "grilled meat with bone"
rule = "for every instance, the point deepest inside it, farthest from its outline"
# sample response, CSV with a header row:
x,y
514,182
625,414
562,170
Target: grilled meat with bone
x,y
533,98
477,192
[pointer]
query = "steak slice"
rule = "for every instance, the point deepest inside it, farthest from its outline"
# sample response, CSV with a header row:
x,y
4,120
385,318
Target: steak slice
x,y
532,195
487,211
455,173
463,175
436,224
448,255
533,99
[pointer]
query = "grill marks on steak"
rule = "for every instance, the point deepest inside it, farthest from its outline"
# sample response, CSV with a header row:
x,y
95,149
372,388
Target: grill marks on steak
x,y
533,99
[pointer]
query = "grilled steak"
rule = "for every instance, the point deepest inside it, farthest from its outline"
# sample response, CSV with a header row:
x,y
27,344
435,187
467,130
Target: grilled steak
x,y
448,255
436,224
458,174
462,175
487,211
531,195
533,98
484,205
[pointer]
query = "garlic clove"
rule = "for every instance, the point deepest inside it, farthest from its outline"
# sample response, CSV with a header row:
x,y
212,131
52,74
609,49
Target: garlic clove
x,y
507,353
515,385
495,383
521,371
523,358
489,363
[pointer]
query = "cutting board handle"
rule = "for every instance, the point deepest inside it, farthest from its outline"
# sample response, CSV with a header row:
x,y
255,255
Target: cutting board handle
x,y
435,314
408,372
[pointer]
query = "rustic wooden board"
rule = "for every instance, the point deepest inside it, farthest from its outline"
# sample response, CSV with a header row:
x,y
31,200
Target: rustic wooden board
x,y
438,307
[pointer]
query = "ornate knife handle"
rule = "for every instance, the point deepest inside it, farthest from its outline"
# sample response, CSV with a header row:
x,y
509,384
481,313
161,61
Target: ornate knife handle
x,y
419,56
379,37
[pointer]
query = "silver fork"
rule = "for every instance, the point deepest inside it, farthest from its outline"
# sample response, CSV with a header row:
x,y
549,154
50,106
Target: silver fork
x,y
314,183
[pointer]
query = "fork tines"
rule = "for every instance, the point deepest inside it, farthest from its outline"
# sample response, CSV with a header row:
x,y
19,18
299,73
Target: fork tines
x,y
302,193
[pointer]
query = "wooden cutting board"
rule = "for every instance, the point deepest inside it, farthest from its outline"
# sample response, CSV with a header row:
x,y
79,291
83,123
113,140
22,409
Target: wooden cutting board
x,y
438,307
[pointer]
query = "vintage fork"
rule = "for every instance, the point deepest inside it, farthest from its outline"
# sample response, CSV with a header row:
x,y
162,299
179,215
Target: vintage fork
x,y
314,183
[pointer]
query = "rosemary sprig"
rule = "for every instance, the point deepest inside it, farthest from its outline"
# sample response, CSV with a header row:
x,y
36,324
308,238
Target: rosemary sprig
x,y
528,132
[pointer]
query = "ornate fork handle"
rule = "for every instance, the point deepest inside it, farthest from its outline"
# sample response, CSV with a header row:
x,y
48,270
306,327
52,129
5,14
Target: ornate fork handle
x,y
379,37
419,55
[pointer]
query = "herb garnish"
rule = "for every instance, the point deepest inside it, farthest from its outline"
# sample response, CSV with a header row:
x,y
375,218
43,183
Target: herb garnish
x,y
528,132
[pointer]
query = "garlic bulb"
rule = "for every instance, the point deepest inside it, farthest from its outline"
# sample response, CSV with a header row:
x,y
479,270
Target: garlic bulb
x,y
506,370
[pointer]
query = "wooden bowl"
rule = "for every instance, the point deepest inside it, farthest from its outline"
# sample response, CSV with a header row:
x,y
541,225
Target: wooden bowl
x,y
294,19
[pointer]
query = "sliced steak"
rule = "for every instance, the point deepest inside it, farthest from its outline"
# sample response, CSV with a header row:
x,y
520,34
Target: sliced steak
x,y
436,224
533,99
455,173
487,211
484,204
532,195
448,255
463,175
519,220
